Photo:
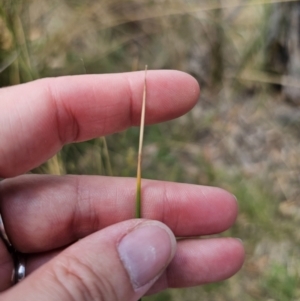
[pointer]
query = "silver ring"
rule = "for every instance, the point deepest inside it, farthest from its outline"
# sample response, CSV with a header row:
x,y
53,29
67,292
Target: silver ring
x,y
18,272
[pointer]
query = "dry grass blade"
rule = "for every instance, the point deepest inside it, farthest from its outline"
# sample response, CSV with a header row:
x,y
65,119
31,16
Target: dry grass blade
x,y
107,159
55,165
173,10
268,78
9,61
139,167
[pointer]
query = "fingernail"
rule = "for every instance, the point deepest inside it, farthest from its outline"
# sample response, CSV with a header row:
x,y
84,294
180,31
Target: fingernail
x,y
145,252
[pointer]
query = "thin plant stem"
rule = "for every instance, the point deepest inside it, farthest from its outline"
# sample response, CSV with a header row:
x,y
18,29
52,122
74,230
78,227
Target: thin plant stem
x,y
9,61
107,159
139,168
55,165
138,207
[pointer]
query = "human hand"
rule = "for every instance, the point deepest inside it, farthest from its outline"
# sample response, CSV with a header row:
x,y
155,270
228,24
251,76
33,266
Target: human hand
x,y
77,233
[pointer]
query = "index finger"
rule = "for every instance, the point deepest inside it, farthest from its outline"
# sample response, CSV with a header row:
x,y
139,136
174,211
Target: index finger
x,y
38,118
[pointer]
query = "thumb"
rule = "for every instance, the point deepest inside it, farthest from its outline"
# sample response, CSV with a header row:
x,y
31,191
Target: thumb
x,y
120,262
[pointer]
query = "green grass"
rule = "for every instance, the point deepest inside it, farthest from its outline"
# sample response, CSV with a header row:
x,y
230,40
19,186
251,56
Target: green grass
x,y
164,296
279,284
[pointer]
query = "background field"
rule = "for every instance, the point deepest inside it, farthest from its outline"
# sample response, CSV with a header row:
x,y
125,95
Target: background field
x,y
243,135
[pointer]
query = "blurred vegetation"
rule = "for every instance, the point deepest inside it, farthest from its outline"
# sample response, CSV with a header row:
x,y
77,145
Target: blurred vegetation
x,y
243,135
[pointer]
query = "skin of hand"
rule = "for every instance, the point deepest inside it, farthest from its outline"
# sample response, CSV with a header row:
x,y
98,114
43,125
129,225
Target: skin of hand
x,y
78,233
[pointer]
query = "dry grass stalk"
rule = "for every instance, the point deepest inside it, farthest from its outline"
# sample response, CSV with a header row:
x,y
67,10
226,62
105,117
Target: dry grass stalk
x,y
55,165
139,167
106,157
268,78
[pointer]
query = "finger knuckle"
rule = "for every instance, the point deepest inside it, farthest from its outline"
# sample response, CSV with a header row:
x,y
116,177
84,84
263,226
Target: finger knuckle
x,y
81,282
